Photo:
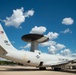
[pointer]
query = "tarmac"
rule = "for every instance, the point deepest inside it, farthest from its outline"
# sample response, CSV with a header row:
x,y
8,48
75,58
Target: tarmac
x,y
24,70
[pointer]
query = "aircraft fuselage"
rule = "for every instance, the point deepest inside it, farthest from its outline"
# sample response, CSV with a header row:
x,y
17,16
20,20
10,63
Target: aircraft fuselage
x,y
35,58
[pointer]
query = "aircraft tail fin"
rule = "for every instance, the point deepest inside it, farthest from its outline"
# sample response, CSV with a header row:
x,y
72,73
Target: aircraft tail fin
x,y
4,41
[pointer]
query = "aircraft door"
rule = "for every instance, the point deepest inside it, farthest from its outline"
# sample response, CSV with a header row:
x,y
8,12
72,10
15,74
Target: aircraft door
x,y
41,63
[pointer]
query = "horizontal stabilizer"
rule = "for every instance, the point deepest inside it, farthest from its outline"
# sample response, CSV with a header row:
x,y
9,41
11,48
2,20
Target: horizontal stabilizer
x,y
2,51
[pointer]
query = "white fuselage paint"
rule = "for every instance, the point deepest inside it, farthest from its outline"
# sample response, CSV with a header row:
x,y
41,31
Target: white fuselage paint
x,y
35,58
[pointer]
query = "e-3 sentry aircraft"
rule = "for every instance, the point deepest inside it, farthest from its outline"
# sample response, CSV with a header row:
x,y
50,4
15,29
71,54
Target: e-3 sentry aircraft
x,y
33,57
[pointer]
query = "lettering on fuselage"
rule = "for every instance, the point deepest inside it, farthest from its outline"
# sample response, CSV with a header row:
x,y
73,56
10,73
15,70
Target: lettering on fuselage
x,y
61,59
6,42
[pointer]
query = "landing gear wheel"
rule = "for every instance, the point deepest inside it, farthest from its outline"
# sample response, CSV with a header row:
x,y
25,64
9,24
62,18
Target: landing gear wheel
x,y
42,68
57,69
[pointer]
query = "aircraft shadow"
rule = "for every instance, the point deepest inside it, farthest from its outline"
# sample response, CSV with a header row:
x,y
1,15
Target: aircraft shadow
x,y
18,69
21,69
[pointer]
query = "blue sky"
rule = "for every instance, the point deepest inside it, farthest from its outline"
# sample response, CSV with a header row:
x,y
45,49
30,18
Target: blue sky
x,y
54,18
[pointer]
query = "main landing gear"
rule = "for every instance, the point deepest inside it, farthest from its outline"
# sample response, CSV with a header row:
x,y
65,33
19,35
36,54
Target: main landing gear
x,y
56,68
42,68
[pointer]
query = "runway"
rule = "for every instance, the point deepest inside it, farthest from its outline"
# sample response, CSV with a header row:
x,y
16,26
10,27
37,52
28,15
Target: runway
x,y
23,70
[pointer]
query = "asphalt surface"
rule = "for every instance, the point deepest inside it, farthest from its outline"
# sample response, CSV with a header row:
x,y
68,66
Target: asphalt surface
x,y
23,70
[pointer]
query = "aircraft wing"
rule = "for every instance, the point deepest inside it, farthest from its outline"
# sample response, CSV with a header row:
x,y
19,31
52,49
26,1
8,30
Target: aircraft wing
x,y
57,63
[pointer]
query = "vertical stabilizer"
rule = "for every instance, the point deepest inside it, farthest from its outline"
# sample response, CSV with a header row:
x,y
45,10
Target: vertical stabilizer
x,y
4,41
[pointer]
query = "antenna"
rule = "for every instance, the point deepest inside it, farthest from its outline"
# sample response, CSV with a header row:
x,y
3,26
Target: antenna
x,y
34,39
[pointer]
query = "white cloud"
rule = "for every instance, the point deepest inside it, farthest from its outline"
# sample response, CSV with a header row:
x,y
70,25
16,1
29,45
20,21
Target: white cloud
x,y
38,30
66,31
12,42
74,55
18,17
52,35
68,21
66,52
27,46
54,48
23,50
49,43
60,46
29,13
